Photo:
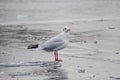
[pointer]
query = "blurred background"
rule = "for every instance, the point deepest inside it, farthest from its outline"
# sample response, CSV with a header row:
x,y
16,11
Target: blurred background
x,y
37,10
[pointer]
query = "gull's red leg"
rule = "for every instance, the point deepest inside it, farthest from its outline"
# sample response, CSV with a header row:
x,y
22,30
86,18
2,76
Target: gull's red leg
x,y
56,57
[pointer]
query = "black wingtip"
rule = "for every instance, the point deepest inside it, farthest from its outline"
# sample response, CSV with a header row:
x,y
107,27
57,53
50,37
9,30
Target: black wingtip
x,y
32,46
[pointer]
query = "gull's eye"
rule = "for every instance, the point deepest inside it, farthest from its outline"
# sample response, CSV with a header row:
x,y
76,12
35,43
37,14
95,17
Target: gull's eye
x,y
65,28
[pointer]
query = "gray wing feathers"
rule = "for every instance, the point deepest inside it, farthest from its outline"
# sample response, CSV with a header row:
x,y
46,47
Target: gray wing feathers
x,y
52,45
55,43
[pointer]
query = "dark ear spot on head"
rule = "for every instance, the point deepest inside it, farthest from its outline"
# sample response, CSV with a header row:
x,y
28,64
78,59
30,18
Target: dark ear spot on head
x,y
64,29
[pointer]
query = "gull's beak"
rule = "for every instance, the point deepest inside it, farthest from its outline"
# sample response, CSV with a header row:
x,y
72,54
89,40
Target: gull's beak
x,y
68,29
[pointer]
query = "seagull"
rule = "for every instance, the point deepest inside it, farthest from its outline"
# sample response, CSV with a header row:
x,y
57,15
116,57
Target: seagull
x,y
55,44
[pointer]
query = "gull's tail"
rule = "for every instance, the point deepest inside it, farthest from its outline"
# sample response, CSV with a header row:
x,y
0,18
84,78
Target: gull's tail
x,y
33,46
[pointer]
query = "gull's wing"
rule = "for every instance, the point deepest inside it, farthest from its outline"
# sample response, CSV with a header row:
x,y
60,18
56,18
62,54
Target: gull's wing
x,y
52,45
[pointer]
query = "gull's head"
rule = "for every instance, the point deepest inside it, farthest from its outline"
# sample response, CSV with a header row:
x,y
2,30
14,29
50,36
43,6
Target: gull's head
x,y
66,29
